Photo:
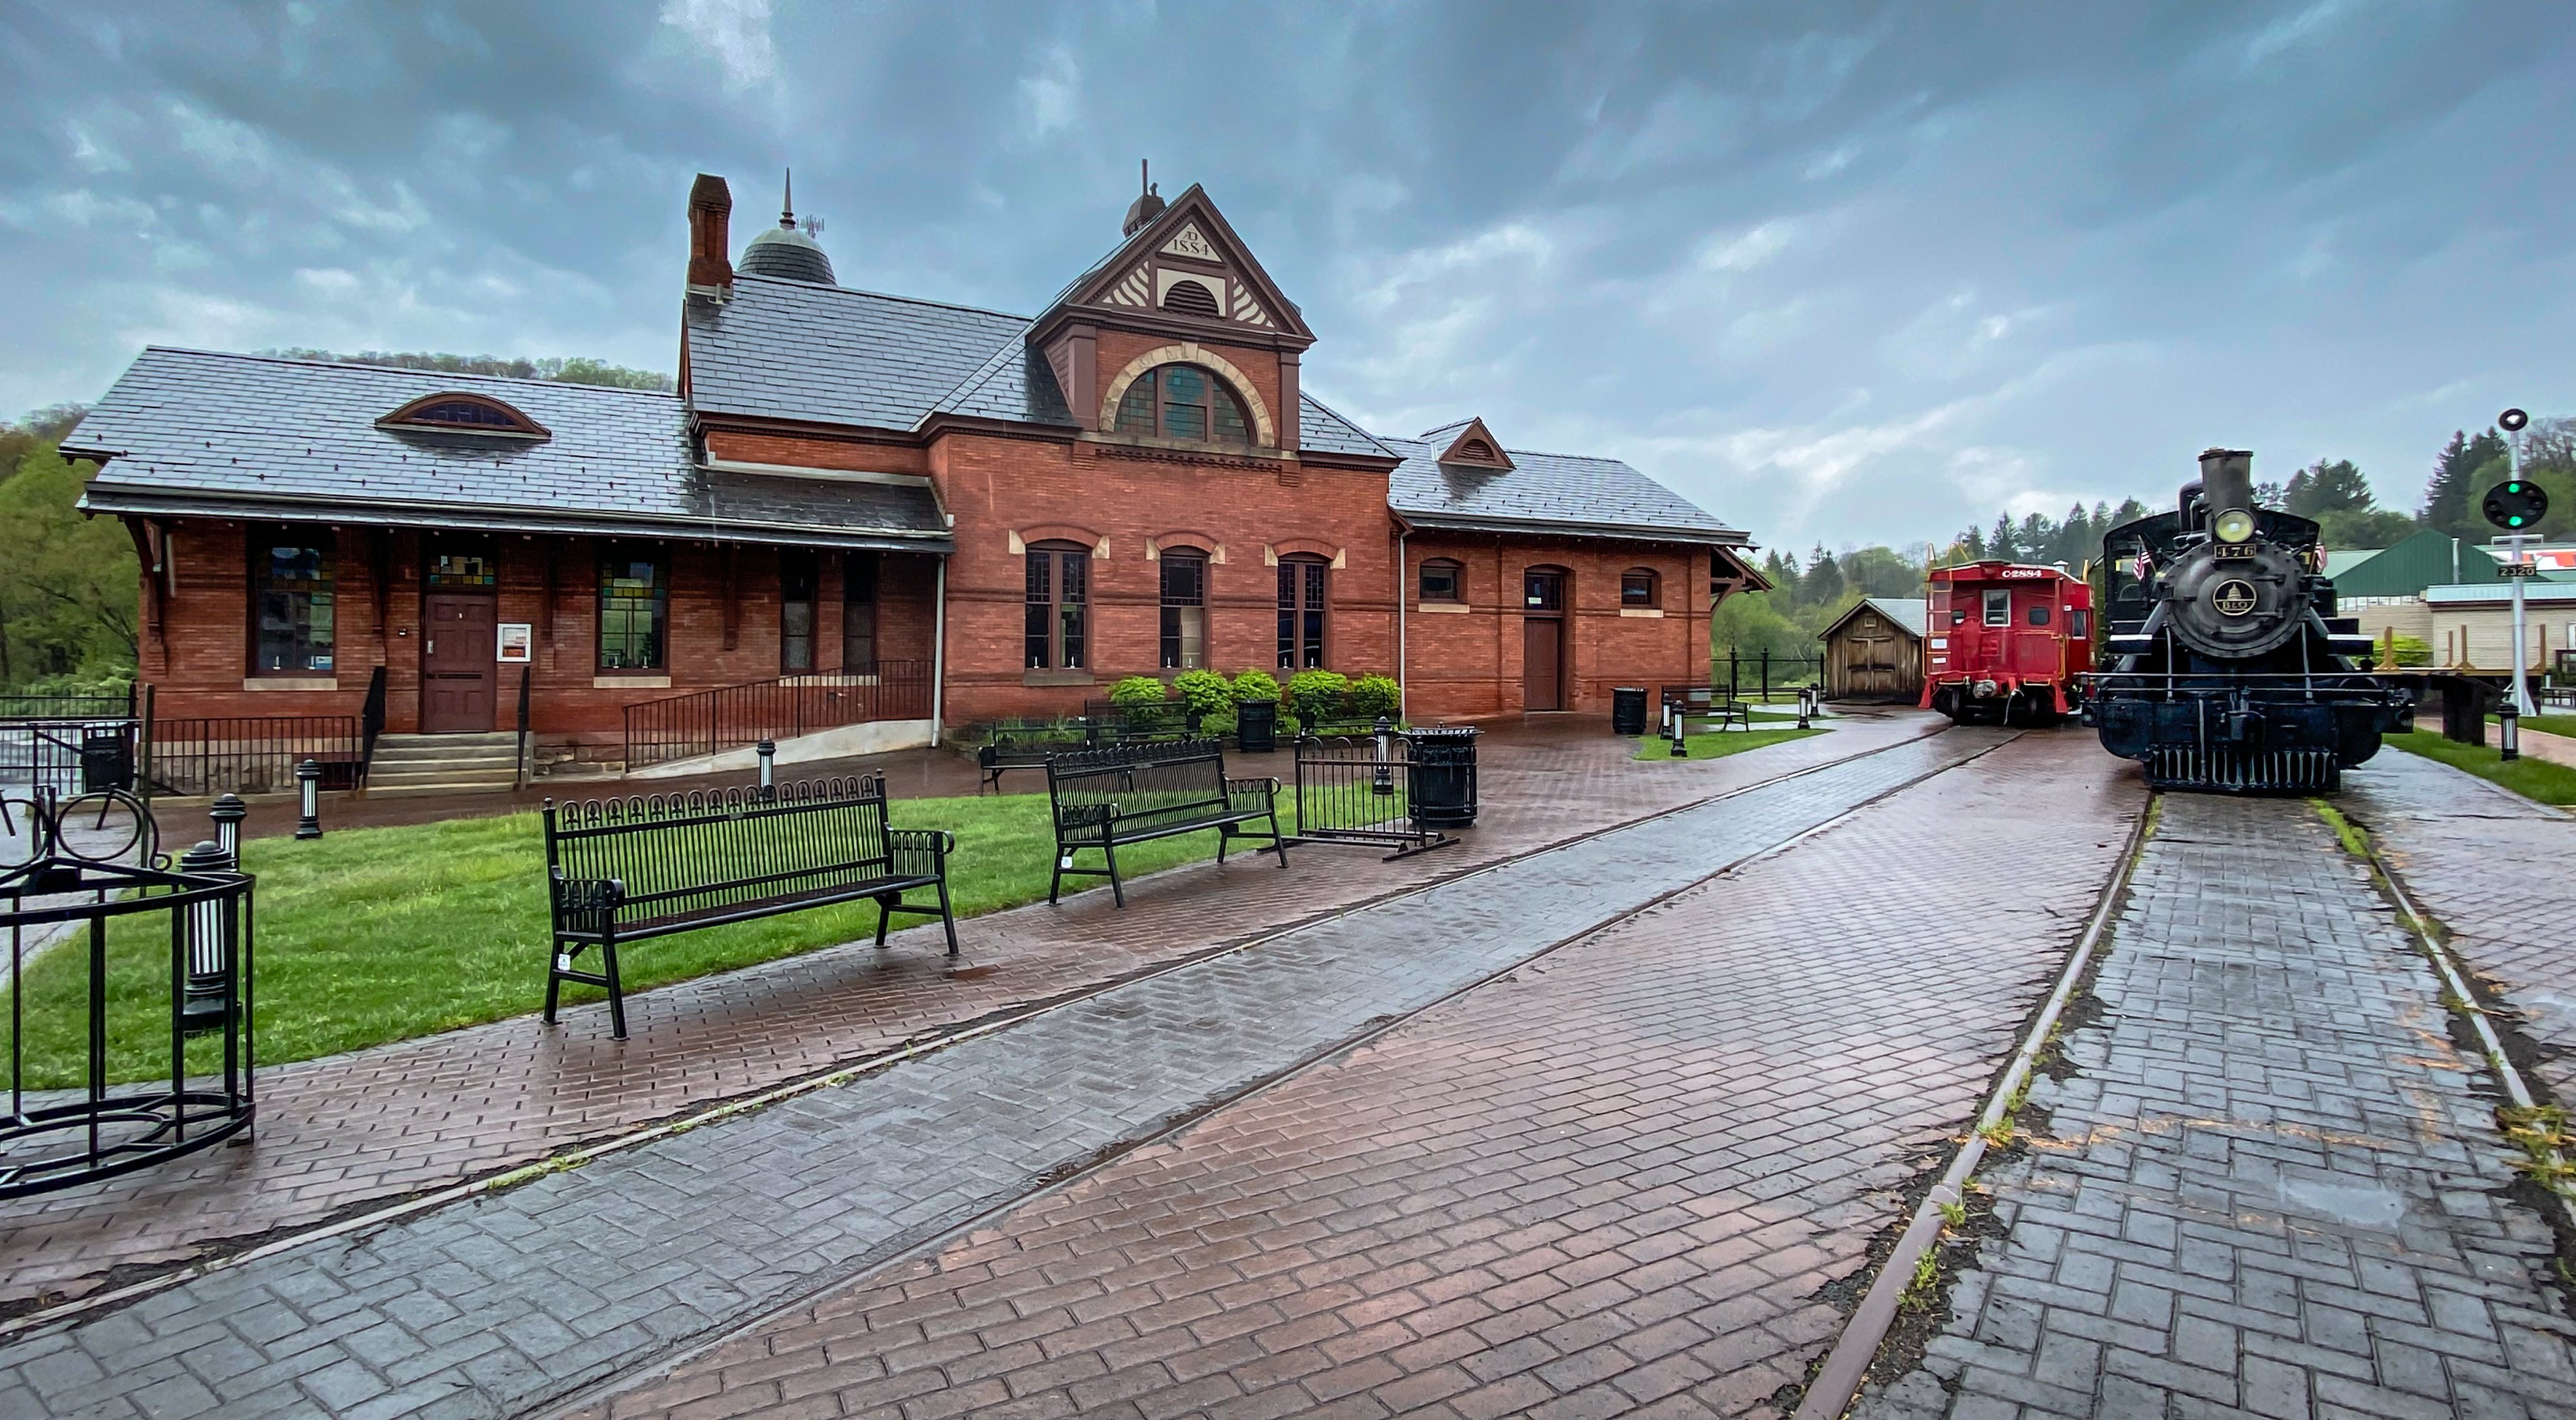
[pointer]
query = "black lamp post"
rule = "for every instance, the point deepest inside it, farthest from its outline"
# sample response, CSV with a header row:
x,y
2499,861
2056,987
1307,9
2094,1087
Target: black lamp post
x,y
1384,784
768,751
228,813
308,787
210,957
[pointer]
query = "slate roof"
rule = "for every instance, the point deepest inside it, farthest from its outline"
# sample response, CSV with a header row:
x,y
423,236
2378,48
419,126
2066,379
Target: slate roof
x,y
832,355
1543,492
255,436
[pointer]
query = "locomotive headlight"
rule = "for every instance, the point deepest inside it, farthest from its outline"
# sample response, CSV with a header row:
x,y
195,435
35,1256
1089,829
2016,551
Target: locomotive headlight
x,y
2234,525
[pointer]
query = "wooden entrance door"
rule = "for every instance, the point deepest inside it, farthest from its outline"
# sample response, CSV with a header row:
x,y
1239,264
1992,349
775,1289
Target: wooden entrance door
x,y
456,668
1872,657
1543,641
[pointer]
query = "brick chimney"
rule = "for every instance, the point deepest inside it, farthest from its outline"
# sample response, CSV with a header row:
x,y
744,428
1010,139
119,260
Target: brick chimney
x,y
710,241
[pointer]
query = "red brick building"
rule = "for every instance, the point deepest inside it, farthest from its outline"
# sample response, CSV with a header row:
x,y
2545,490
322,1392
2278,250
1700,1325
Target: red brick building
x,y
930,514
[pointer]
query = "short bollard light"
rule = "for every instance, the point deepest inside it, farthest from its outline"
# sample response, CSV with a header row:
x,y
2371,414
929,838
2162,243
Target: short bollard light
x,y
308,788
1384,784
768,752
1681,724
228,812
2509,731
1806,705
210,949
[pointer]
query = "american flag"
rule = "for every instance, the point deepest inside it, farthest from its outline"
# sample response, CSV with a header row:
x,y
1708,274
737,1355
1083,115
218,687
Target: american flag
x,y
2144,568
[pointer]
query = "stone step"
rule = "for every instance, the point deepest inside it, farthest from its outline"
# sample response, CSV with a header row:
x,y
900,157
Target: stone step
x,y
383,778
419,754
376,788
480,738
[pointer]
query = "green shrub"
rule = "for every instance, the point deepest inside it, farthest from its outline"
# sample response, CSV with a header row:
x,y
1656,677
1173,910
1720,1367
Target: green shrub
x,y
1219,724
1205,692
1318,695
1256,685
1138,690
2414,651
1375,695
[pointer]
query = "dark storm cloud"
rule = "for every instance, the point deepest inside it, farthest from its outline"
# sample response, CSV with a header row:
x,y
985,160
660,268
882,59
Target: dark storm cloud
x,y
1838,272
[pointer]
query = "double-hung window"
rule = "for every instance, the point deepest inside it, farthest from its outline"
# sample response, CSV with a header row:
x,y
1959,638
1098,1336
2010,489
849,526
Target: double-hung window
x,y
1184,611
859,613
634,607
1058,594
1301,613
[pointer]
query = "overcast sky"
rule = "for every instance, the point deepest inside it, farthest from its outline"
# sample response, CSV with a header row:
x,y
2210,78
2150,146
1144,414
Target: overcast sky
x,y
1841,272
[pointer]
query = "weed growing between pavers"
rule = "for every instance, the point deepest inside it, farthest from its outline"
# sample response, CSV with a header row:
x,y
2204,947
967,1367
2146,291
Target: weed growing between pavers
x,y
2545,1181
381,934
2536,779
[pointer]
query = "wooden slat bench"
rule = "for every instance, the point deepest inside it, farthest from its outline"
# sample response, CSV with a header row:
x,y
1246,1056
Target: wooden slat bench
x,y
626,870
1104,799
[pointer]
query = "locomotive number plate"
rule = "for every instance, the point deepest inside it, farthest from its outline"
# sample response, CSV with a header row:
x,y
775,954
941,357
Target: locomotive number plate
x,y
2227,550
2233,597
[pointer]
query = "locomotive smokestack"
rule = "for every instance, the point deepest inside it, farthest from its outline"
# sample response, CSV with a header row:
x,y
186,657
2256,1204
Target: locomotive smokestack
x,y
2227,479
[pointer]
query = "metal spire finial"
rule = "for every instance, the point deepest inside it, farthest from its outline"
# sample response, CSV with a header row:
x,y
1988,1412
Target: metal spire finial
x,y
787,203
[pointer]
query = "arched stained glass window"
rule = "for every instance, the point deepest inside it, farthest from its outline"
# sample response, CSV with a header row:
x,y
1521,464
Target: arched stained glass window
x,y
1183,402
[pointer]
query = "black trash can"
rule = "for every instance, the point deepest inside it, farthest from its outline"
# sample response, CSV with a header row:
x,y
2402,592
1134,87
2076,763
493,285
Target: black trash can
x,y
1444,778
107,759
1256,726
1628,710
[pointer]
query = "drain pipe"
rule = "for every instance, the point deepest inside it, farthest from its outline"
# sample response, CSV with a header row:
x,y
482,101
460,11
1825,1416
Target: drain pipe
x,y
1403,682
939,653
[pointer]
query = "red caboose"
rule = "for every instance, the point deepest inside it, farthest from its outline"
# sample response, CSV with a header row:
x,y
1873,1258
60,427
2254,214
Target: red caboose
x,y
2004,643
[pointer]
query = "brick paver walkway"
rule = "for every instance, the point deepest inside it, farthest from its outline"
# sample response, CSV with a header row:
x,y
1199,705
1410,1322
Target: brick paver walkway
x,y
2493,867
346,1132
1613,1182
490,1307
2272,1187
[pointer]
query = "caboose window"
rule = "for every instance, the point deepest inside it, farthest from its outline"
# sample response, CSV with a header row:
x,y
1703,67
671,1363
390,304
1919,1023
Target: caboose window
x,y
2075,623
2039,616
1999,606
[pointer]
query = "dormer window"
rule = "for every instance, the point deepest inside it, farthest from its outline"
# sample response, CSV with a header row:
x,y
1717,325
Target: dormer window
x,y
463,413
1183,402
1191,299
1475,451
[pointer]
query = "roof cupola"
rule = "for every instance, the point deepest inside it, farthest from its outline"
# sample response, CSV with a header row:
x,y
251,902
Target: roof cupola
x,y
1147,206
786,252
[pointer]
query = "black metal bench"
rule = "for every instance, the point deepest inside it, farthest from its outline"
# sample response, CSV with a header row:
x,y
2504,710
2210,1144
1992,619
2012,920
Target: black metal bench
x,y
1025,744
1704,703
625,870
1104,799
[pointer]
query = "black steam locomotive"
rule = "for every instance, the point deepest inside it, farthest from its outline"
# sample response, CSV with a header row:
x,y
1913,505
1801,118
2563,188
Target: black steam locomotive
x,y
2225,666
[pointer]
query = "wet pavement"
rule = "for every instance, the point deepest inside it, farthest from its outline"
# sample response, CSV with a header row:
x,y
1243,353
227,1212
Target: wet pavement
x,y
490,1307
2268,1184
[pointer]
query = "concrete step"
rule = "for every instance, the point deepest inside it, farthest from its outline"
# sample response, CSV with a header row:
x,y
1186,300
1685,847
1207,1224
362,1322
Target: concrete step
x,y
382,778
415,754
486,737
377,788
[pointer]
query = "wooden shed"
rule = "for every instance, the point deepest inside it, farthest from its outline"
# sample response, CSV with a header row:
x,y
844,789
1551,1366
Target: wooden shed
x,y
1875,651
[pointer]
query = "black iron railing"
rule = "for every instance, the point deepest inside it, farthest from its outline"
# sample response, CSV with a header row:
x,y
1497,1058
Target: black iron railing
x,y
253,754
732,716
1764,673
71,756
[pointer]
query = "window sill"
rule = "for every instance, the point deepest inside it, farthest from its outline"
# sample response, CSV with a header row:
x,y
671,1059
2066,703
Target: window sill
x,y
1435,608
1073,677
1650,613
291,682
627,680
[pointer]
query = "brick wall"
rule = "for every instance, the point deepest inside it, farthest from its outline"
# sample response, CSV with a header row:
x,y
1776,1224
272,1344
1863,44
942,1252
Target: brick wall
x,y
1128,496
202,665
1468,664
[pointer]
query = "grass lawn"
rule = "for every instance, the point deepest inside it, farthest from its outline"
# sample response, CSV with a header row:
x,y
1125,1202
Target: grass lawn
x,y
2552,724
1717,744
2531,778
380,934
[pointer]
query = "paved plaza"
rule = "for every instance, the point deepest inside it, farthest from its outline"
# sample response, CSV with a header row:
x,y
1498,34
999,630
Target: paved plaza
x,y
1607,1112
353,1131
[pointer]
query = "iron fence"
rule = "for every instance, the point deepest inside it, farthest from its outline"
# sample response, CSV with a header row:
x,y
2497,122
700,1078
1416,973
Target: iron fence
x,y
1362,790
732,716
251,754
1764,673
68,756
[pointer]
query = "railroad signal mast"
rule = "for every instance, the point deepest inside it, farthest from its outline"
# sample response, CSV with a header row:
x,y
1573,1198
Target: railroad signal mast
x,y
2516,507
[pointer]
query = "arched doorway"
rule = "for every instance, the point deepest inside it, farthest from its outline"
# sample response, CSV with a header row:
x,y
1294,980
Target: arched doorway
x,y
1543,603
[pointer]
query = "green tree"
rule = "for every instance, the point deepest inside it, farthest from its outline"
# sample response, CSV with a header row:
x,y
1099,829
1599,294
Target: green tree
x,y
2001,543
1823,579
67,582
2324,487
1881,572
1750,623
578,370
1781,571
